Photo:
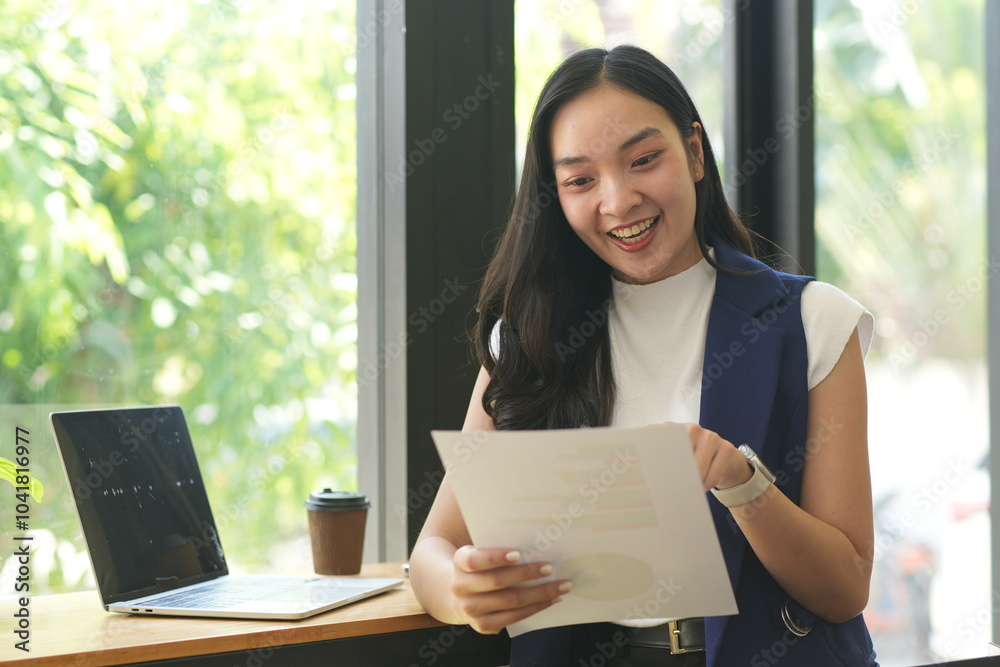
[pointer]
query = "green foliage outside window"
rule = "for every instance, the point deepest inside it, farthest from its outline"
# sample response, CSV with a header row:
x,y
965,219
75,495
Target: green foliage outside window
x,y
901,154
177,225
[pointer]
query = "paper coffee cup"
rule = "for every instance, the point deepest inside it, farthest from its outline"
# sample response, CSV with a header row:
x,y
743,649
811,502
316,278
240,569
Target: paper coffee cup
x,y
337,530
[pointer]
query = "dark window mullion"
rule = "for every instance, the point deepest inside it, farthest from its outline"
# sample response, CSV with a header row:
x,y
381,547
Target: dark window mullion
x,y
769,123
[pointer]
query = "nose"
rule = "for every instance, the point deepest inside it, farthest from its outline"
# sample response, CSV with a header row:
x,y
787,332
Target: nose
x,y
618,197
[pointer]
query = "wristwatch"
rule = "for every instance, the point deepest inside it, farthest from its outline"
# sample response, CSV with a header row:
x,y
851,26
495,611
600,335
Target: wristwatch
x,y
755,486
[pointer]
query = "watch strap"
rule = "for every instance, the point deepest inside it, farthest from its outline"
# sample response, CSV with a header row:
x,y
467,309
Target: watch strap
x,y
750,490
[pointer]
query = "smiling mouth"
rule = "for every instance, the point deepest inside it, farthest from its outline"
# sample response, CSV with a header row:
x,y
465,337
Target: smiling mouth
x,y
636,233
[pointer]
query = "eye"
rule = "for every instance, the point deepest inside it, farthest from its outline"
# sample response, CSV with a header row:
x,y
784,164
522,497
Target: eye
x,y
577,182
645,159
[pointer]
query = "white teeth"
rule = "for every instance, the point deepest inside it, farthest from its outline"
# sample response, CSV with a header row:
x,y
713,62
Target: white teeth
x,y
629,233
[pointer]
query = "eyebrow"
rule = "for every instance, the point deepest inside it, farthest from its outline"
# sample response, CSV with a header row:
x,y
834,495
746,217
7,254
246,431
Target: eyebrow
x,y
631,141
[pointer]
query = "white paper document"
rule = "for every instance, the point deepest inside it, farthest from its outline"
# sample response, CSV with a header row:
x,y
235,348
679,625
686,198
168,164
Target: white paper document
x,y
619,512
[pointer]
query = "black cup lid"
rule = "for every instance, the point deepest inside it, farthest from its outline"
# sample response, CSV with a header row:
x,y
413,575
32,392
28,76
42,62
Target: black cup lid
x,y
328,500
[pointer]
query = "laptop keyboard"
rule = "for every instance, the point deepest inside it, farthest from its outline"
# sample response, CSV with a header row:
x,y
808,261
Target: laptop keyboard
x,y
222,593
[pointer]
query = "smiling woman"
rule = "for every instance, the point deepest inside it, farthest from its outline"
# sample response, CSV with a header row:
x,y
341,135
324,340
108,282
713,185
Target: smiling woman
x,y
641,234
622,166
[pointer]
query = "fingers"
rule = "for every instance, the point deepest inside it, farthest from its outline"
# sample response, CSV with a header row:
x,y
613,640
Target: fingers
x,y
474,559
486,570
492,611
704,452
491,624
492,587
719,463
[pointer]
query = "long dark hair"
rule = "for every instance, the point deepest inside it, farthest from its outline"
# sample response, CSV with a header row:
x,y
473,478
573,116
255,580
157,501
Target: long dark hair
x,y
552,366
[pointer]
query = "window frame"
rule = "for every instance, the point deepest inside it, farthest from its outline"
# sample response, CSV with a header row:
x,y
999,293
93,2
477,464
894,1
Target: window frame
x,y
436,107
402,89
992,28
768,70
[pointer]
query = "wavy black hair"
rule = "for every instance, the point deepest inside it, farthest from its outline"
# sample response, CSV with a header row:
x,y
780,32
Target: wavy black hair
x,y
552,367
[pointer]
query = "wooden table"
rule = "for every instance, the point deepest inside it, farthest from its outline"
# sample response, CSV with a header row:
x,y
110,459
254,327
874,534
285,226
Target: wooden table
x,y
73,630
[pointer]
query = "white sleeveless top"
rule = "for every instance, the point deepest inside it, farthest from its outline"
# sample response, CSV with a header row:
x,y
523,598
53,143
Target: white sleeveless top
x,y
658,336
657,333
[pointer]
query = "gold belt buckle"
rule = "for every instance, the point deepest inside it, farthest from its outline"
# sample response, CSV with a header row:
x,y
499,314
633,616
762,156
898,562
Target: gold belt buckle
x,y
675,639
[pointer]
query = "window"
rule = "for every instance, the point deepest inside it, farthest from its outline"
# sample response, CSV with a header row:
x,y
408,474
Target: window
x,y
177,224
687,35
900,225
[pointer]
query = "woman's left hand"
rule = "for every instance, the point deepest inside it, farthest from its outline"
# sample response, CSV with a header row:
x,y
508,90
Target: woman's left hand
x,y
720,463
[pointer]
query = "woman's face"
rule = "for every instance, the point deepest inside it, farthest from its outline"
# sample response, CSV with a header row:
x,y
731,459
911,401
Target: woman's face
x,y
625,179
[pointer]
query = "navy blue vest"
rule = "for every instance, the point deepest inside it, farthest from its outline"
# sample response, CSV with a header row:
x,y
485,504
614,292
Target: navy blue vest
x,y
754,390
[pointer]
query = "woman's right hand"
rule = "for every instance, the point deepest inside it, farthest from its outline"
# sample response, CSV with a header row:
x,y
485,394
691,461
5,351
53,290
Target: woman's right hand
x,y
488,591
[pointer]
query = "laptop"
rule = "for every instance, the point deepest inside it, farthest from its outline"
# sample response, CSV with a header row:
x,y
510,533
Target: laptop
x,y
149,529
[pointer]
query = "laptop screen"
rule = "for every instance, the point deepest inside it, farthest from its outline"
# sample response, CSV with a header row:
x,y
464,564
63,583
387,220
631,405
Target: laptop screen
x,y
141,499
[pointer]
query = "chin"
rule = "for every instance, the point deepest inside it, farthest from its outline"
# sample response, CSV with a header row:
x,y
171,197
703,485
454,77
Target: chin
x,y
636,278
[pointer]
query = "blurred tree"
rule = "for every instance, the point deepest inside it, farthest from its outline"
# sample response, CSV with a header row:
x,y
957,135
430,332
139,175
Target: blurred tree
x,y
177,224
900,196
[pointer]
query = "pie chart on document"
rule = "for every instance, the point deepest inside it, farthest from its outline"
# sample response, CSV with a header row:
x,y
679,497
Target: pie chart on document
x,y
607,576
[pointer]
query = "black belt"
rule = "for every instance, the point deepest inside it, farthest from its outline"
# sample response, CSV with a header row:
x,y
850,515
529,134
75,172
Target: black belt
x,y
686,635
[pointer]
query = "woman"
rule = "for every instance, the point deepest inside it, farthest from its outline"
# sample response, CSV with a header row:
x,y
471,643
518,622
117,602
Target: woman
x,y
620,219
